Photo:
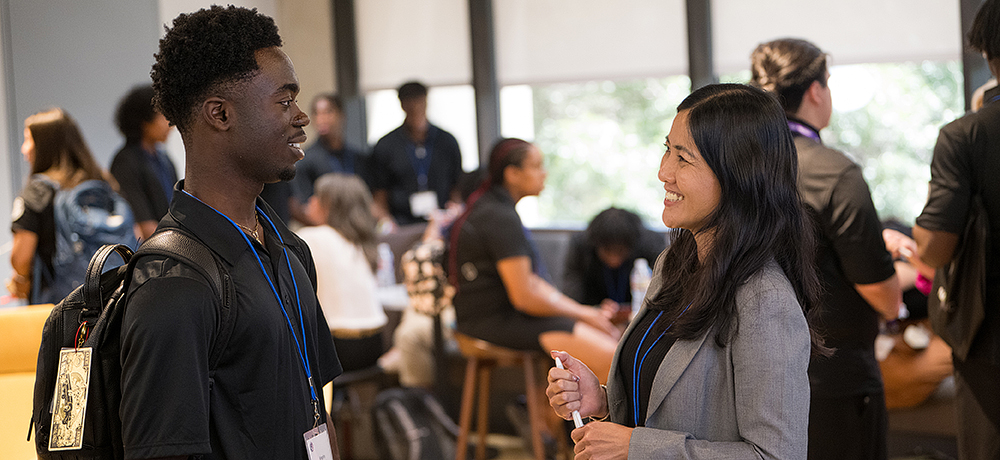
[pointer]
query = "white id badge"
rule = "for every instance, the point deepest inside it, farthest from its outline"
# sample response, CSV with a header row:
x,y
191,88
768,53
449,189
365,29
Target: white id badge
x,y
318,444
422,204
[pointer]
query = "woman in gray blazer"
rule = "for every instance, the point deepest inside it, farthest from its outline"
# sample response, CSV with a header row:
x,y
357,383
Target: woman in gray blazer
x,y
714,364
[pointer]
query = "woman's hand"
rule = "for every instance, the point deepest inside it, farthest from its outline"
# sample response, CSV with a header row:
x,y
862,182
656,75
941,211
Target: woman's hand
x,y
575,388
601,441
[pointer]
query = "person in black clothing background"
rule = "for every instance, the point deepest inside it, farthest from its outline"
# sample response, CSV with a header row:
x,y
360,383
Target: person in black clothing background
x,y
60,160
847,414
966,162
144,173
503,293
415,167
600,259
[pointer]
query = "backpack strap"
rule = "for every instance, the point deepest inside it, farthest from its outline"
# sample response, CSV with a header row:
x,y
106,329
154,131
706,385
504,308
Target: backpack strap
x,y
179,245
92,282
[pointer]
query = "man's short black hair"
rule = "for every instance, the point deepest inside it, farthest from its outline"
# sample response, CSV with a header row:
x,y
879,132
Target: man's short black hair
x,y
412,89
135,110
614,227
985,32
204,51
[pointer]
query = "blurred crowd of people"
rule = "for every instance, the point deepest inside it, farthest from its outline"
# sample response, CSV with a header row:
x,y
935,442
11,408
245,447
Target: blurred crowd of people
x,y
758,334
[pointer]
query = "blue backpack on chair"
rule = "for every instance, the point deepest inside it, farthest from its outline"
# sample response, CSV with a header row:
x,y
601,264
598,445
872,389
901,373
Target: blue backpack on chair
x,y
87,217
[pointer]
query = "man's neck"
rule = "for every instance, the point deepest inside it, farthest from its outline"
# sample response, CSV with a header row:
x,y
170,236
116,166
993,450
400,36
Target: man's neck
x,y
416,131
228,192
148,145
812,115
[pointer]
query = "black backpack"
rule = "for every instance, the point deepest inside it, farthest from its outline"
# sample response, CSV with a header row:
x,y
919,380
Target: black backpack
x,y
91,316
411,425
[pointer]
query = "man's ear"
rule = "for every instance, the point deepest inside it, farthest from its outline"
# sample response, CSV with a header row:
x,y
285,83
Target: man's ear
x,y
510,173
217,112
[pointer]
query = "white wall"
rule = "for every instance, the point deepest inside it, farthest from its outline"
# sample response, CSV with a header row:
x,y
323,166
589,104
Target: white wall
x,y
81,56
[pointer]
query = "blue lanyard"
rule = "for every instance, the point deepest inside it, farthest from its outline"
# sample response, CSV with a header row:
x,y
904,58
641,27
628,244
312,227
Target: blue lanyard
x,y
803,130
995,98
302,349
637,364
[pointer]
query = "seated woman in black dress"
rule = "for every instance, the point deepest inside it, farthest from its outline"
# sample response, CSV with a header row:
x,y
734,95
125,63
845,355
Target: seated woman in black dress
x,y
503,296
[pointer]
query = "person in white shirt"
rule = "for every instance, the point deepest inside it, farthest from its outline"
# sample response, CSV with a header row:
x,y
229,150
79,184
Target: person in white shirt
x,y
344,248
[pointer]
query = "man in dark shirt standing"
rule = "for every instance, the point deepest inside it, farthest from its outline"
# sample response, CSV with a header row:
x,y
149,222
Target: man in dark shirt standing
x,y
966,162
415,167
198,379
847,414
329,154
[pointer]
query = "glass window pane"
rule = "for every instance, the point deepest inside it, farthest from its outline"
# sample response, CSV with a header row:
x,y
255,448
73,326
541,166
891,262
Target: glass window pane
x,y
602,142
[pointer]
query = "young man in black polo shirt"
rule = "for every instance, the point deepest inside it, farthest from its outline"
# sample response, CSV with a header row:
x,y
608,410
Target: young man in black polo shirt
x,y
415,167
847,414
221,78
967,162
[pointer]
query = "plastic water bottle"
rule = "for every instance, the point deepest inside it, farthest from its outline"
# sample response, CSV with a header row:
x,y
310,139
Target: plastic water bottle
x,y
385,274
639,280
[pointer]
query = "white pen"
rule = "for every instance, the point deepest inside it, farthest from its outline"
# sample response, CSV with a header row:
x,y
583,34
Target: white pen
x,y
577,421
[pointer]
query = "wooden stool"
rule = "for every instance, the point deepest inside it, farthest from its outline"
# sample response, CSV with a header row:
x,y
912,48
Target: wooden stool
x,y
482,357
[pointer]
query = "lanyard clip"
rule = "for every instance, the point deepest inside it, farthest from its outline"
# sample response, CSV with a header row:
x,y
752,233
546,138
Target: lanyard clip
x,y
315,414
315,402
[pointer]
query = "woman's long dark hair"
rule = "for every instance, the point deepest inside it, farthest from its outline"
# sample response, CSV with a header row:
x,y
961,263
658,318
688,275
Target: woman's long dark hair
x,y
59,144
742,134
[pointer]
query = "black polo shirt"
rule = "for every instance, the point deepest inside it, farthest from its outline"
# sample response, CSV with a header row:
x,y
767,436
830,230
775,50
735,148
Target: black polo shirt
x,y
141,183
967,161
393,169
492,232
320,160
850,251
256,403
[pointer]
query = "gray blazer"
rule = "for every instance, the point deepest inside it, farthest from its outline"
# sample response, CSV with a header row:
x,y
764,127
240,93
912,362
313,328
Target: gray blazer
x,y
749,399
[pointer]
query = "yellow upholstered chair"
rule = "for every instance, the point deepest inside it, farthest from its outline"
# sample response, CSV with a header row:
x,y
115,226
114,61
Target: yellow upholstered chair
x,y
20,336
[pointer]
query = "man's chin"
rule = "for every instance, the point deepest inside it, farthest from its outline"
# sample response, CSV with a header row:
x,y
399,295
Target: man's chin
x,y
286,174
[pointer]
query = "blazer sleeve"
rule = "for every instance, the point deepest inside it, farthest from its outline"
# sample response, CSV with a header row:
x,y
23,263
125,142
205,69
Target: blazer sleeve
x,y
768,384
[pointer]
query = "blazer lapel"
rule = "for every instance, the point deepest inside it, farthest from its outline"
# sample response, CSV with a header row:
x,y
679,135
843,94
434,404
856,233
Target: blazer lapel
x,y
674,364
